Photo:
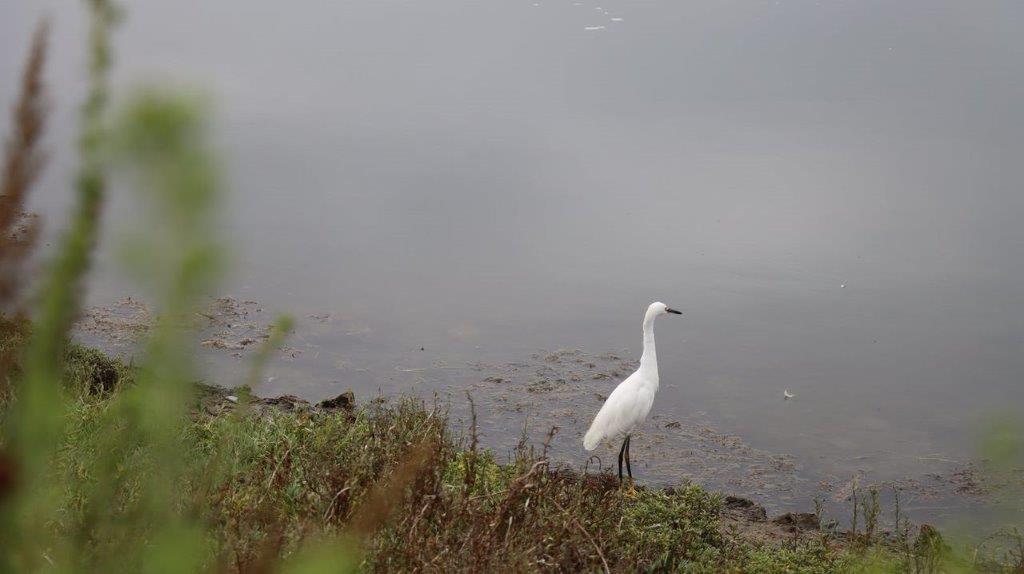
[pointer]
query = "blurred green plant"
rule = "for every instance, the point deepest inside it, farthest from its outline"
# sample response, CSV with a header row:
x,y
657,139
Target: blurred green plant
x,y
1002,453
23,161
124,521
278,332
120,521
33,429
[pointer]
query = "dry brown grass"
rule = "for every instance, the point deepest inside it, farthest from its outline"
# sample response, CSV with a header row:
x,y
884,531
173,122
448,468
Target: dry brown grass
x,y
23,162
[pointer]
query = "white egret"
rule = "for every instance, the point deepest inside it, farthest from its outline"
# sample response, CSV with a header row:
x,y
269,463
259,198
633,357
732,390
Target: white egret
x,y
628,405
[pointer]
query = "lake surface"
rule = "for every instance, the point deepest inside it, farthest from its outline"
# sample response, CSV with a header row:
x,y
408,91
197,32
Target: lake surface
x,y
485,196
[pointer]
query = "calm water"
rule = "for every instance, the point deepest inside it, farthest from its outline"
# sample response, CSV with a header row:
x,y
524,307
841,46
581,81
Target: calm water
x,y
830,191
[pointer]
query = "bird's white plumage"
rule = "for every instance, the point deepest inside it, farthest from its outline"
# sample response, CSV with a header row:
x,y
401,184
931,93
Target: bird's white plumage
x,y
624,410
628,405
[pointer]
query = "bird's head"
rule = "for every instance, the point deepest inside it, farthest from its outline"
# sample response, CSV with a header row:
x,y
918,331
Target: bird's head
x,y
659,308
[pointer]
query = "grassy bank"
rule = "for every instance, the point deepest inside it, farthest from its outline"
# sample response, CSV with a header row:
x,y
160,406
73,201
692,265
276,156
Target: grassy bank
x,y
392,487
391,481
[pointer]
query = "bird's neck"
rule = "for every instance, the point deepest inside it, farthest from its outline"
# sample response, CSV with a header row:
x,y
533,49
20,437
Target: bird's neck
x,y
649,360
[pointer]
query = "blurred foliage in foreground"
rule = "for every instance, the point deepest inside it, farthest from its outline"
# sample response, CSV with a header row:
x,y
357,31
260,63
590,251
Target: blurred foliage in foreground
x,y
111,468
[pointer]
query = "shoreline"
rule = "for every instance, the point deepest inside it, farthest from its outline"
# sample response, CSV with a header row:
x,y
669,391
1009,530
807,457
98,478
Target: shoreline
x,y
293,466
738,514
557,388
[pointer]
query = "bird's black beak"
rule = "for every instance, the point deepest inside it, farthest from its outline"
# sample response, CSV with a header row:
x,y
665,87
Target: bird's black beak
x,y
673,311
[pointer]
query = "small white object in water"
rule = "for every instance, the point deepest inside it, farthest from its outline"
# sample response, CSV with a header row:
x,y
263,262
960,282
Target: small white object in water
x,y
787,395
232,398
843,286
616,19
593,28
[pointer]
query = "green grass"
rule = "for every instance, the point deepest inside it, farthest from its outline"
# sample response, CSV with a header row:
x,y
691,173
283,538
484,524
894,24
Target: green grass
x,y
269,487
87,371
266,483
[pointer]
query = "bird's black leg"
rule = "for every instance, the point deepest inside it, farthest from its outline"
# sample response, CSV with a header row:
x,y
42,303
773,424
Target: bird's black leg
x,y
621,452
629,469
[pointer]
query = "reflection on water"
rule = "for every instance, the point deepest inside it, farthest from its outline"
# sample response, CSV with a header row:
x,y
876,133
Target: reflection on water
x,y
438,190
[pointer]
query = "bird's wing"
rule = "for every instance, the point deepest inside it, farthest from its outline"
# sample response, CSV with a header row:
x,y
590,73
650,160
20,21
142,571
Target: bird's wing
x,y
626,406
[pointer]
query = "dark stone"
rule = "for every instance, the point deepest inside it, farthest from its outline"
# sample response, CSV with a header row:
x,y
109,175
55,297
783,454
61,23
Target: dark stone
x,y
286,402
798,521
104,377
746,508
346,401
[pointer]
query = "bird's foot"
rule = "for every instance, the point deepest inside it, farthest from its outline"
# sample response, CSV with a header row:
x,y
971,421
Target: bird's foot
x,y
629,489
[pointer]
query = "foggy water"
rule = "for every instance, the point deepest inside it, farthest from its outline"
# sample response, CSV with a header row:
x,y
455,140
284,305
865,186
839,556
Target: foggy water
x,y
830,191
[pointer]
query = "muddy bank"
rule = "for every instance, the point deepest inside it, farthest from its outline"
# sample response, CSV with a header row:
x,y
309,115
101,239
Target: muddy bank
x,y
214,401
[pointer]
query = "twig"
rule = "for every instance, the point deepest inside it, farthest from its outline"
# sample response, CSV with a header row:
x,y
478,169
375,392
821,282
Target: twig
x,y
547,441
470,478
334,500
273,475
487,494
384,497
424,369
412,528
585,533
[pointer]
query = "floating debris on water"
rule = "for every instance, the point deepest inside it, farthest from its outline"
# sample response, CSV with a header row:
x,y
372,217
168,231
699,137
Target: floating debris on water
x,y
116,327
